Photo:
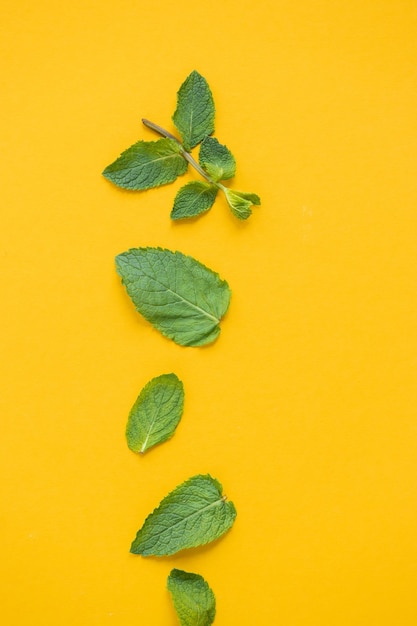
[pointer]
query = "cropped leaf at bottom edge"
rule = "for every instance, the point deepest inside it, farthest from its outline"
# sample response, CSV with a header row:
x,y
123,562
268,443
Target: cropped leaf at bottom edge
x,y
192,515
192,597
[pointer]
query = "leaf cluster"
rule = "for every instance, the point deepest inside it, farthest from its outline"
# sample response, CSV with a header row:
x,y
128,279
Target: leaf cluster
x,y
149,164
185,301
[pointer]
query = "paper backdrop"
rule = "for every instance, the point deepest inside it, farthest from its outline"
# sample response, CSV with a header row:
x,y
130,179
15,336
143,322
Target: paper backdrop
x,y
304,409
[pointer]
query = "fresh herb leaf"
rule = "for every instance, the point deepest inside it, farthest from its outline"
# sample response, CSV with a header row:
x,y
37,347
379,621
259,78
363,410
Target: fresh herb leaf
x,y
192,515
194,115
181,297
193,199
217,159
240,202
147,164
193,599
156,413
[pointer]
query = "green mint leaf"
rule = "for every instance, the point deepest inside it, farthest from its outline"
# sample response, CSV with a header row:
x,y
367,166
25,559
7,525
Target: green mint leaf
x,y
240,202
194,115
193,599
147,164
156,413
193,199
181,297
217,159
192,515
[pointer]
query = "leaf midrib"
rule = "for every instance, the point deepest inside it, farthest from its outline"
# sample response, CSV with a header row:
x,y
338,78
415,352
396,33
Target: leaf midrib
x,y
191,115
151,162
151,425
194,306
188,517
191,304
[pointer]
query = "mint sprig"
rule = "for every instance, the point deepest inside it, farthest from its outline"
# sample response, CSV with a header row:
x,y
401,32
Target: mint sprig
x,y
149,164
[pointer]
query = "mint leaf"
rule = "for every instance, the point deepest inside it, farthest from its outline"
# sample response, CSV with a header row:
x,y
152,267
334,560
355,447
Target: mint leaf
x,y
181,297
192,515
147,164
217,159
194,115
240,202
193,199
193,599
156,413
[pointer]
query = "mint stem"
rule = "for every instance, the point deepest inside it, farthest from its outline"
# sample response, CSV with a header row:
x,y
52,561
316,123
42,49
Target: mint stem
x,y
187,156
160,130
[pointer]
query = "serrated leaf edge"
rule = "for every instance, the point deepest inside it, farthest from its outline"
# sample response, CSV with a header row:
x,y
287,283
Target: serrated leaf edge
x,y
211,505
144,446
213,317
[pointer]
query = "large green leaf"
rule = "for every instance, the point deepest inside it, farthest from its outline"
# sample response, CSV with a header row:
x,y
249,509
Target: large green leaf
x,y
193,599
181,297
156,413
192,515
147,164
194,115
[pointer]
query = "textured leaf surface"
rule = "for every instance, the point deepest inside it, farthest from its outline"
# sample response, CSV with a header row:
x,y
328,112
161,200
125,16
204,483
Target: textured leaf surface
x,y
193,599
192,515
181,297
217,159
240,202
156,413
194,115
193,199
147,164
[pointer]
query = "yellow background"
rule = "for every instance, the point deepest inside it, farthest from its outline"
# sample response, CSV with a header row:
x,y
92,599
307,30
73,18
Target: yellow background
x,y
305,407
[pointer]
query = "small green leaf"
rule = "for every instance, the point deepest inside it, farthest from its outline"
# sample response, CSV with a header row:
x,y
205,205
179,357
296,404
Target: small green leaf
x,y
194,115
192,515
240,202
181,297
217,159
193,199
193,599
147,164
156,413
